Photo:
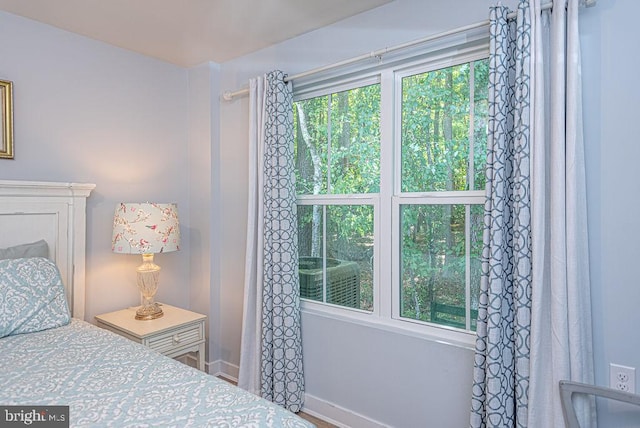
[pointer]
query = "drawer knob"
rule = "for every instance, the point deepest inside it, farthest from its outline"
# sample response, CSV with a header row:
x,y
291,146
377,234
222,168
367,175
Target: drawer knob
x,y
176,339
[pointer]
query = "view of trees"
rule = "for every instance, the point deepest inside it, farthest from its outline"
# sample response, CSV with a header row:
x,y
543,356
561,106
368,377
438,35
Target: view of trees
x,y
338,142
444,115
437,151
338,152
443,149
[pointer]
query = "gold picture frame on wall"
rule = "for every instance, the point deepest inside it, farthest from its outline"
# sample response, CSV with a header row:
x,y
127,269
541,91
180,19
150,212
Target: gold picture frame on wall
x,y
6,124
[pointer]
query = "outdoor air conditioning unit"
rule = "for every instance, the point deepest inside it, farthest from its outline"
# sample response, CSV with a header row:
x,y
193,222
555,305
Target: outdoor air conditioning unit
x,y
343,281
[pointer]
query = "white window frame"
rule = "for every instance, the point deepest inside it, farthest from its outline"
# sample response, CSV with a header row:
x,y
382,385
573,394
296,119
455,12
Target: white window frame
x,y
466,198
386,275
337,200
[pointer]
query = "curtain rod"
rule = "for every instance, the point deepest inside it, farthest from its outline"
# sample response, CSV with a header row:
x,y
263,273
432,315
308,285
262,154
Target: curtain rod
x,y
228,96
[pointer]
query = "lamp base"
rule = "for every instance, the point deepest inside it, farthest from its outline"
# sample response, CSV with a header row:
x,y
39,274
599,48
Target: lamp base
x,y
150,312
148,275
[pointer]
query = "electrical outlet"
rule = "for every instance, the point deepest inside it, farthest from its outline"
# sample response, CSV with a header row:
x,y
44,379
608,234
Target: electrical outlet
x,y
622,378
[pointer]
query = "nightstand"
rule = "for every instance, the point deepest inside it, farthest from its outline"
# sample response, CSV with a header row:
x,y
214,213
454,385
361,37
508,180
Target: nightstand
x,y
176,333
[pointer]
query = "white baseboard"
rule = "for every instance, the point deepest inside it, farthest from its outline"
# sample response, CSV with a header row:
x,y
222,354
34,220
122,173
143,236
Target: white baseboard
x,y
314,406
223,369
217,368
337,415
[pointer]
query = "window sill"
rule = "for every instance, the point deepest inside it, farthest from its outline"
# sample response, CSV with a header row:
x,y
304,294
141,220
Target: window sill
x,y
443,335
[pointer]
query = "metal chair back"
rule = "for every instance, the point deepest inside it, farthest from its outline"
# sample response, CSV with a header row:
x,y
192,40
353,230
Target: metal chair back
x,y
568,388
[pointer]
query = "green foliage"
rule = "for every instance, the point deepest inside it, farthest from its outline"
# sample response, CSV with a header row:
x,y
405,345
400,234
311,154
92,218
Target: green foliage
x,y
435,126
347,162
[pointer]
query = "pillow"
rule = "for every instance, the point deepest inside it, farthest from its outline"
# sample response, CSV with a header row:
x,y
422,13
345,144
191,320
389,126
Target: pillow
x,y
34,249
31,296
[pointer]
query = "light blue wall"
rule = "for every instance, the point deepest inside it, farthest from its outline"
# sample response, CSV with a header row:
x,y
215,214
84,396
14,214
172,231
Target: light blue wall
x,y
610,38
85,111
204,221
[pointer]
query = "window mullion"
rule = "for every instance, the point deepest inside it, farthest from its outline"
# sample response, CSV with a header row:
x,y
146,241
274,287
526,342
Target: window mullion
x,y
467,265
385,302
324,253
471,173
471,183
329,101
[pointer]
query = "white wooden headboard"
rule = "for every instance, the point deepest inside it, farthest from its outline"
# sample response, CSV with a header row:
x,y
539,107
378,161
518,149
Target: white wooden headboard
x,y
55,212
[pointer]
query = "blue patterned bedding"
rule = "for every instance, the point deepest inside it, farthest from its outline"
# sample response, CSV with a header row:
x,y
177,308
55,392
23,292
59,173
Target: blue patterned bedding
x,y
108,380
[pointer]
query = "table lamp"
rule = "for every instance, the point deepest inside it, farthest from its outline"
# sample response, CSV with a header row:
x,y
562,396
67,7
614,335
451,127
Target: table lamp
x,y
146,228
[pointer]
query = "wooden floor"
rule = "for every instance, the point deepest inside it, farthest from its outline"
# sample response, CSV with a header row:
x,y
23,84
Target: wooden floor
x,y
317,422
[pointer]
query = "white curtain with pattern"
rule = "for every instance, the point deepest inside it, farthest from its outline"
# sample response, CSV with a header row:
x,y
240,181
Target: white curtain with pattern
x,y
534,326
271,348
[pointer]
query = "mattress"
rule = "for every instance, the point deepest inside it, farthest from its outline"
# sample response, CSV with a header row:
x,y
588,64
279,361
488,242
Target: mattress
x,y
107,380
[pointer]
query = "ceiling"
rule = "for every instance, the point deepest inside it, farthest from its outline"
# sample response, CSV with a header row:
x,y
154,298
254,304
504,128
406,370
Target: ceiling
x,y
189,32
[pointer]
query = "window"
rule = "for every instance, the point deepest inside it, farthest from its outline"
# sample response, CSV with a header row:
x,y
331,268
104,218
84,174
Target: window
x,y
337,149
440,203
390,183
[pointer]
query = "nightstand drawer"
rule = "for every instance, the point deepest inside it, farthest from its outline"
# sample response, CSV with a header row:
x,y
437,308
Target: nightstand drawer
x,y
177,338
176,333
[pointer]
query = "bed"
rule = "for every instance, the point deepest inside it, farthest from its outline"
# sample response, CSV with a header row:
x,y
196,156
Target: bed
x,y
49,356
